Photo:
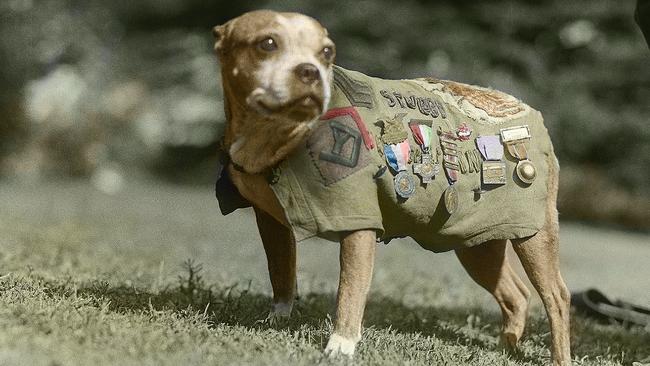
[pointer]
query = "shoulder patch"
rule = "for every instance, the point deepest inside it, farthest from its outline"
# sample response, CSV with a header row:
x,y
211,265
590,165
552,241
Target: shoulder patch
x,y
482,104
340,146
359,94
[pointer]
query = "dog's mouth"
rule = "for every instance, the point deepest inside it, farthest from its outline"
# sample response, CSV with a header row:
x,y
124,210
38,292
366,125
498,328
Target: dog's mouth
x,y
303,107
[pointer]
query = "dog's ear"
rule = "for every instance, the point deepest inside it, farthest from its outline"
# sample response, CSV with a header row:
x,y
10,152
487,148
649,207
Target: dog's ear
x,y
221,33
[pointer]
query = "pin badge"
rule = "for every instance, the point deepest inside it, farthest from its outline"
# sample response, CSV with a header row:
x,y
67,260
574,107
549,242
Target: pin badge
x,y
463,132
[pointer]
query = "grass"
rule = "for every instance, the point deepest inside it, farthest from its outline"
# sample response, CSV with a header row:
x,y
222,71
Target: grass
x,y
110,283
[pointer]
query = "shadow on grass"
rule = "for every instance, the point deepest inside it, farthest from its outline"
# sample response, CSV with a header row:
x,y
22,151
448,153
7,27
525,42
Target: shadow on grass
x,y
236,305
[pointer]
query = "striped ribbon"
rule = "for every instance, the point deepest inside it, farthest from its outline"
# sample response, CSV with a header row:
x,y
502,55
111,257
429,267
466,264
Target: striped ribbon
x,y
397,155
422,134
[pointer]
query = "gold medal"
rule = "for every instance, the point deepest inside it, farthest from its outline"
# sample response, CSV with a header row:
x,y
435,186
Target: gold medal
x,y
526,171
451,199
393,131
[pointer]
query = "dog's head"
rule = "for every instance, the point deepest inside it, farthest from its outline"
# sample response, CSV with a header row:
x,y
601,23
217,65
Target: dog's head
x,y
279,64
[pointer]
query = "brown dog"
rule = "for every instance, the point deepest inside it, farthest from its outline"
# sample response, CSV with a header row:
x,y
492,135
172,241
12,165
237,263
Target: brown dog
x,y
277,72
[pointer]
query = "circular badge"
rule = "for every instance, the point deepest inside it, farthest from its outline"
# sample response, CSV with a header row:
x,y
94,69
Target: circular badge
x,y
526,171
451,199
404,184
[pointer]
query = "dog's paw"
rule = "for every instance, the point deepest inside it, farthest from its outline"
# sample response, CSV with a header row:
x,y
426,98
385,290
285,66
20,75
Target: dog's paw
x,y
339,345
509,341
281,310
278,315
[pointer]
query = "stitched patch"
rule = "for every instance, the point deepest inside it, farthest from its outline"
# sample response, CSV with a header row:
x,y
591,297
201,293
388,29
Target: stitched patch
x,y
337,146
486,106
493,102
358,93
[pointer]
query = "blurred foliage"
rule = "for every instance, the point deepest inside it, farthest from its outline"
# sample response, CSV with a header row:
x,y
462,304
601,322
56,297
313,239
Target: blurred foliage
x,y
89,85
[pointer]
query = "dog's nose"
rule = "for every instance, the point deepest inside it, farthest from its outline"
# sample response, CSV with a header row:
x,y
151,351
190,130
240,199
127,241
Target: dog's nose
x,y
307,73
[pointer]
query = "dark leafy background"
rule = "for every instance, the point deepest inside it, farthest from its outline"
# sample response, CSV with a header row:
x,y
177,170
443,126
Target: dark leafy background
x,y
113,90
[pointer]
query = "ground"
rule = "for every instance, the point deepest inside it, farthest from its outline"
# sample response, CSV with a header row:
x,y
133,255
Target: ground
x,y
154,275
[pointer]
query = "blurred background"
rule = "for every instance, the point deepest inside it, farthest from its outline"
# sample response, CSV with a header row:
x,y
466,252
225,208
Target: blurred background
x,y
114,92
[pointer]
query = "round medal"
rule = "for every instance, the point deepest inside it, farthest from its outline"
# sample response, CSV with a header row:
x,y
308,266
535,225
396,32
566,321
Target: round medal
x,y
404,184
526,171
451,199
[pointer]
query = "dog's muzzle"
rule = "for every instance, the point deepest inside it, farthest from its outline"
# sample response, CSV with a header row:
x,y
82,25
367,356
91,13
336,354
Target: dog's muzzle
x,y
303,107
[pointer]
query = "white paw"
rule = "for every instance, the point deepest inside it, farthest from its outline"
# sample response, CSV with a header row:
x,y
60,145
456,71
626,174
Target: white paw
x,y
278,314
281,310
339,345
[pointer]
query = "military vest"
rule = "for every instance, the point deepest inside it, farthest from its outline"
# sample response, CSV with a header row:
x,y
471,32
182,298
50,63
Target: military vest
x,y
448,164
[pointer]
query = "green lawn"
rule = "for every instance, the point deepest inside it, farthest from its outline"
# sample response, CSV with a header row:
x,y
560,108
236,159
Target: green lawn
x,y
155,276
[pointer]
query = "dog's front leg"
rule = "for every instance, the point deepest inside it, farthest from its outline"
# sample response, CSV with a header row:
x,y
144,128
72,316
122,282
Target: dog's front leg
x,y
357,258
280,248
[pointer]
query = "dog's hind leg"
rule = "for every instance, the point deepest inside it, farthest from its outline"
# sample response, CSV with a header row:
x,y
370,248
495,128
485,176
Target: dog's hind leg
x,y
488,266
357,259
539,255
280,248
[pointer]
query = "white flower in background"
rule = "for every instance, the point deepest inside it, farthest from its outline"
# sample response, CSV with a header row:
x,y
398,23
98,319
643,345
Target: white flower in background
x,y
578,33
193,117
438,63
56,97
179,118
108,180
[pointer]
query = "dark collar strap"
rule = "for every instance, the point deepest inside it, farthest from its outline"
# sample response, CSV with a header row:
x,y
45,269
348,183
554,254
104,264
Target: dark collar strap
x,y
226,160
236,166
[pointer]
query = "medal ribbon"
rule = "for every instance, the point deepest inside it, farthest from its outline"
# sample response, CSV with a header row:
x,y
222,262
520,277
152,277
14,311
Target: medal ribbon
x,y
397,155
422,135
450,157
490,147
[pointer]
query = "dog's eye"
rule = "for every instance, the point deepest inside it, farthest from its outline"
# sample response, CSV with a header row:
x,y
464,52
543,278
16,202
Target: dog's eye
x,y
328,52
268,44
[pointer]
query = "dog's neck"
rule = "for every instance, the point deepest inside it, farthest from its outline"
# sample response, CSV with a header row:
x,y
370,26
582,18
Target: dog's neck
x,y
256,143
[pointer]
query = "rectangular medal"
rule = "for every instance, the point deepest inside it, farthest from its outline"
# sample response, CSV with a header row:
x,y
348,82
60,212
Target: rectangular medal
x,y
494,172
515,133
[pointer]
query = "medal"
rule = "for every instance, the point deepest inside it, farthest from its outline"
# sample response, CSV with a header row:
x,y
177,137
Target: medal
x,y
427,169
494,172
393,131
451,164
404,184
490,147
515,139
526,171
451,199
450,157
493,168
396,152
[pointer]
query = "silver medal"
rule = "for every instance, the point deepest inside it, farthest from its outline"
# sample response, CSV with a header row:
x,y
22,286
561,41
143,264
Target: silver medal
x,y
404,184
